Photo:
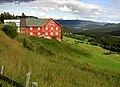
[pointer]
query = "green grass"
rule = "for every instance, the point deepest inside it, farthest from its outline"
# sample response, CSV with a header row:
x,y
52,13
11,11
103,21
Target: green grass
x,y
98,58
58,64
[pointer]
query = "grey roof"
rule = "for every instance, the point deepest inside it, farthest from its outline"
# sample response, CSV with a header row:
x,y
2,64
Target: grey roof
x,y
32,22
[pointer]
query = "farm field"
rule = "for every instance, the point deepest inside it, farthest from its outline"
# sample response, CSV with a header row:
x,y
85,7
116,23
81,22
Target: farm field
x,y
58,64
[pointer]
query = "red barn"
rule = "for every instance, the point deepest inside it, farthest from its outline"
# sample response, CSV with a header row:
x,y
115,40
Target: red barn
x,y
41,28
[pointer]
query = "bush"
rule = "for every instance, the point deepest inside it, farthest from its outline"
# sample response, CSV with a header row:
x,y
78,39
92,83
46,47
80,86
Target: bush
x,y
10,31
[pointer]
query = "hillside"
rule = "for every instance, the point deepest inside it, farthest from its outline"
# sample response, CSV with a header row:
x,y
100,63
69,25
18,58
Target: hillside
x,y
114,33
78,25
58,64
108,28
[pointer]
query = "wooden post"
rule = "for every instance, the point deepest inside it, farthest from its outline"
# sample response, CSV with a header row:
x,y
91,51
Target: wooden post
x,y
34,84
2,69
1,72
28,79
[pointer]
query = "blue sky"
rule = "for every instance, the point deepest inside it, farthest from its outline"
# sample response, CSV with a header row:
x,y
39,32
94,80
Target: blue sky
x,y
95,10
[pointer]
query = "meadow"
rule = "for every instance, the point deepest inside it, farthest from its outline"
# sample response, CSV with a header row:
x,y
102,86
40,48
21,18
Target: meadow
x,y
58,64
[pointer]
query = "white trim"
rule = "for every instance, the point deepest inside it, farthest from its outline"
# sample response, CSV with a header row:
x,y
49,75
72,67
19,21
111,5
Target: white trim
x,y
51,33
38,28
38,33
31,33
56,28
51,28
46,33
46,28
56,33
31,28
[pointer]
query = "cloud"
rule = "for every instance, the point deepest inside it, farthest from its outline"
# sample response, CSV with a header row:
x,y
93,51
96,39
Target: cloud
x,y
67,9
73,6
64,8
8,1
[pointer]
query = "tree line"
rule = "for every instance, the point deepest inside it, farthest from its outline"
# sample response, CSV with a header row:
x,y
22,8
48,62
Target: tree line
x,y
103,40
7,15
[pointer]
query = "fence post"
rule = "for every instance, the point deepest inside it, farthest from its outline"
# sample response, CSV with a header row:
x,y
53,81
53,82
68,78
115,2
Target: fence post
x,y
28,78
34,84
1,72
2,69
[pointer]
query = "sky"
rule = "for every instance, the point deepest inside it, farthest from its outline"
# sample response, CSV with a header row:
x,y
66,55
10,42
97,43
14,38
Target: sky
x,y
94,10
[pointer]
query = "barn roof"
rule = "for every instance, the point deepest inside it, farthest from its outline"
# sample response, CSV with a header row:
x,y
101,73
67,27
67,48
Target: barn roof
x,y
32,22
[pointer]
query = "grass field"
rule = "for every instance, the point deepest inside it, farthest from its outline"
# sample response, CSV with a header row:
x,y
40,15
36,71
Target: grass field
x,y
58,64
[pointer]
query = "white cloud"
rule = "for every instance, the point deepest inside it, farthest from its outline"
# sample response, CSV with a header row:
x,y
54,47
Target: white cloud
x,y
75,7
64,8
62,5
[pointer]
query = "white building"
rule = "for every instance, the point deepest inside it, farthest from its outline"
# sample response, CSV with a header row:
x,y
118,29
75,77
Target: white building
x,y
16,21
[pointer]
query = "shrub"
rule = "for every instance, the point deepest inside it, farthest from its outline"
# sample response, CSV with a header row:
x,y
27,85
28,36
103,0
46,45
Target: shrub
x,y
10,31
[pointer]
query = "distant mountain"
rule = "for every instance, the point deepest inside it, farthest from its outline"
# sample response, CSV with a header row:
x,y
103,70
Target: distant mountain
x,y
108,28
78,22
79,25
76,26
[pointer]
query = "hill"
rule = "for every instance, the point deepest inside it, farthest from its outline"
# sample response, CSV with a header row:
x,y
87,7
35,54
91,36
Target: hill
x,y
58,64
108,28
78,25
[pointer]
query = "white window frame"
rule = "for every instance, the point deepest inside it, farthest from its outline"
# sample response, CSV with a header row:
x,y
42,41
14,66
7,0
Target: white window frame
x,y
56,33
51,33
38,33
51,28
56,28
31,33
46,28
38,28
46,33
31,28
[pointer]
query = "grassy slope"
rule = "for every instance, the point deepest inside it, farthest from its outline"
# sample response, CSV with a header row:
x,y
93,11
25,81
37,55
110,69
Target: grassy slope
x,y
59,64
98,58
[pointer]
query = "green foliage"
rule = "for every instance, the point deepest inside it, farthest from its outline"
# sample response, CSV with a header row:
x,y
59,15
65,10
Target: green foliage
x,y
23,15
10,31
114,33
103,40
62,33
6,15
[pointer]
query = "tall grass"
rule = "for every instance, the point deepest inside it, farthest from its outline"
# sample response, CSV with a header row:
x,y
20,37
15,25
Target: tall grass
x,y
57,64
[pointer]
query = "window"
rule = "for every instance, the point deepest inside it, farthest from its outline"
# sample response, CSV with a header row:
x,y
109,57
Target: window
x,y
30,28
56,33
51,28
46,28
51,33
56,28
51,23
31,33
46,33
38,33
38,28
